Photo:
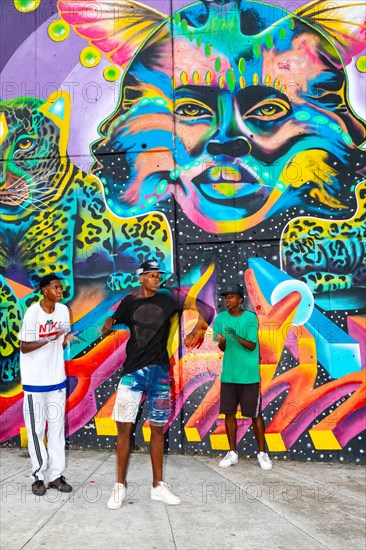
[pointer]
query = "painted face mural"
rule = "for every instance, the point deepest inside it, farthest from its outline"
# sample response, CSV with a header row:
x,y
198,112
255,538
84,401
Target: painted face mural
x,y
259,113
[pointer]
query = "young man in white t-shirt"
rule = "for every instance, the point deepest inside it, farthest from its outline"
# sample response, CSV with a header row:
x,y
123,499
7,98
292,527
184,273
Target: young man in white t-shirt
x,y
43,337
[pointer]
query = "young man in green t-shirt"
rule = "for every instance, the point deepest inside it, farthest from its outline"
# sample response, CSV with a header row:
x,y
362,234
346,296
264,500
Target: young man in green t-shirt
x,y
236,332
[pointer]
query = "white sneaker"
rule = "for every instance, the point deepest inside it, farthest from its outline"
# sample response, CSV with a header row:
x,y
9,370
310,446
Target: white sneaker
x,y
229,459
163,492
118,495
264,461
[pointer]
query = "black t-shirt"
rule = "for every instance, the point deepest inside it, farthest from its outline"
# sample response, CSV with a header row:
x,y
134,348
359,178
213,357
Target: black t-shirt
x,y
149,322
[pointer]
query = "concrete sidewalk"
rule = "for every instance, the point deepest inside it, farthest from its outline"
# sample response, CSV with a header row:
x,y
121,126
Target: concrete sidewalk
x,y
297,505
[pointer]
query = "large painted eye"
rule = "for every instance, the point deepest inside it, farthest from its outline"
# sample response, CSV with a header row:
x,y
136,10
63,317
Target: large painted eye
x,y
192,109
270,109
24,145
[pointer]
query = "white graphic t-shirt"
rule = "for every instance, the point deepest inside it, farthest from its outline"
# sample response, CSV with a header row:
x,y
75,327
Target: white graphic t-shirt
x,y
44,368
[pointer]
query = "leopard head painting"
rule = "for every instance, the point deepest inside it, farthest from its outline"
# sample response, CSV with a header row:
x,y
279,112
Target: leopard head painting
x,y
247,119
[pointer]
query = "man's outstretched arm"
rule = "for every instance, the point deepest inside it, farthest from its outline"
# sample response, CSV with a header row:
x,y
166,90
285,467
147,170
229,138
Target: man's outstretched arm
x,y
205,315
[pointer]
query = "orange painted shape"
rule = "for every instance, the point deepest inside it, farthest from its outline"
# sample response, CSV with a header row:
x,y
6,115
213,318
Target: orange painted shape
x,y
87,299
299,382
83,367
20,290
274,321
267,373
358,320
355,402
302,343
302,396
9,397
104,423
107,409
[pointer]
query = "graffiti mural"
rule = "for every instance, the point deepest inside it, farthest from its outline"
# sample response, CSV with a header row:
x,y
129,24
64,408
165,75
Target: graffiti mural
x,y
226,138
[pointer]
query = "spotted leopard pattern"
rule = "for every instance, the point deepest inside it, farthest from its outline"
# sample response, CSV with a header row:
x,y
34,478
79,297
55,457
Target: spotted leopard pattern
x,y
327,255
54,218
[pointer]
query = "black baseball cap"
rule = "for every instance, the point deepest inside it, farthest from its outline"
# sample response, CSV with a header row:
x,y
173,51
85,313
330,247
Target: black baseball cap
x,y
233,289
148,267
47,279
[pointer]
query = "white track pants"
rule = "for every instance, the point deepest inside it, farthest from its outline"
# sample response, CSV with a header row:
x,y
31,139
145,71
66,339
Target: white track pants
x,y
39,409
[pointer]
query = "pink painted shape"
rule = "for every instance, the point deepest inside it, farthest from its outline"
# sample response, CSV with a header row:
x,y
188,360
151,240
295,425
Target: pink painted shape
x,y
349,427
186,391
357,329
87,408
303,420
243,427
12,420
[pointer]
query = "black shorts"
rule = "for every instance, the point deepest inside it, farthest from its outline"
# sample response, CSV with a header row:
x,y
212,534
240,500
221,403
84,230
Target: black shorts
x,y
248,395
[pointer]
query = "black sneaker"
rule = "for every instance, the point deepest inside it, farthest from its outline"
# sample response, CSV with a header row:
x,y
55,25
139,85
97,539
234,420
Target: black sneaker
x,y
60,484
38,488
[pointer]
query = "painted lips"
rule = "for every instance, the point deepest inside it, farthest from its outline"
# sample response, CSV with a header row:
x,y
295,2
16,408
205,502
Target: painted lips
x,y
228,182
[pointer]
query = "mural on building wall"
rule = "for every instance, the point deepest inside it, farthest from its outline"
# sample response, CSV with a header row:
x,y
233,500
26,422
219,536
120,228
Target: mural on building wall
x,y
225,139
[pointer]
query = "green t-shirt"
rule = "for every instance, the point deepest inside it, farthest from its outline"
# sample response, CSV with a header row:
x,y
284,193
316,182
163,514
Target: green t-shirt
x,y
239,365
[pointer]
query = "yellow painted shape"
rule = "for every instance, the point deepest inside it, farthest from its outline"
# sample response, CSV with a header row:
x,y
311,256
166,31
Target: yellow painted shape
x,y
324,440
25,6
3,128
105,426
267,372
361,64
238,415
173,339
275,442
219,442
14,390
24,437
192,434
146,432
184,78
190,300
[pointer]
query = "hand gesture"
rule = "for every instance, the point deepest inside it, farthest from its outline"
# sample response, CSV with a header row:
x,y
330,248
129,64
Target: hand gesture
x,y
54,337
69,338
194,339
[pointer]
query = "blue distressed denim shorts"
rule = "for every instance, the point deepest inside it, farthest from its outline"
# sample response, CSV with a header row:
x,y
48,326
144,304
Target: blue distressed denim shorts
x,y
154,381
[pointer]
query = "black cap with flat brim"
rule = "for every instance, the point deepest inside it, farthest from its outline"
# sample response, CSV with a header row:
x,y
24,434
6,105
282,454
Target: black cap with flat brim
x,y
233,289
148,267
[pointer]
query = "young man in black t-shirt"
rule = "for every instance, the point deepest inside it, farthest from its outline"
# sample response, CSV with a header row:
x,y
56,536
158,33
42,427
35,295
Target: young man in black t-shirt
x,y
146,369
